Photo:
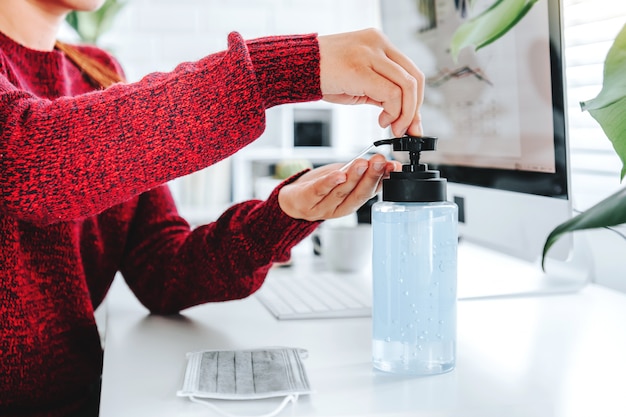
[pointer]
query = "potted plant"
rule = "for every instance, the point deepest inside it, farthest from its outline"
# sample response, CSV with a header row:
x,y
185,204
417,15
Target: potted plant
x,y
608,108
91,25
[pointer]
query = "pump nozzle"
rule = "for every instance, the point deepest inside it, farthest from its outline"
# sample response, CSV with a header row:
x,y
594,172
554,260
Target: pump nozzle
x,y
410,143
414,145
415,182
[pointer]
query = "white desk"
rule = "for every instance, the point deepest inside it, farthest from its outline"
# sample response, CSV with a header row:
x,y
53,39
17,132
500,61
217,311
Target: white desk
x,y
557,356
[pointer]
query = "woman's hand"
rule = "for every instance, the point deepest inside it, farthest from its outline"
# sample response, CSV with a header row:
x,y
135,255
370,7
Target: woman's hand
x,y
326,192
365,68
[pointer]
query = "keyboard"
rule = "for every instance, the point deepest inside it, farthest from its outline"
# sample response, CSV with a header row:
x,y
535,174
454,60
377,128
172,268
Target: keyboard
x,y
322,295
308,289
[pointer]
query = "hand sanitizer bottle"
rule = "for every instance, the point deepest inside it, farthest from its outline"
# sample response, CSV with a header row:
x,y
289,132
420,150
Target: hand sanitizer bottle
x,y
415,241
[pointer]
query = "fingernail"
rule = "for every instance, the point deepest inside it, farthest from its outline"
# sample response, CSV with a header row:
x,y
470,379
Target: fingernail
x,y
378,166
361,169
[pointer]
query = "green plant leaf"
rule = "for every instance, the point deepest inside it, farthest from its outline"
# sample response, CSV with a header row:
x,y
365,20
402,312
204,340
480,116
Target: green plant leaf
x,y
609,212
614,81
108,12
91,25
609,107
87,26
72,19
612,119
490,25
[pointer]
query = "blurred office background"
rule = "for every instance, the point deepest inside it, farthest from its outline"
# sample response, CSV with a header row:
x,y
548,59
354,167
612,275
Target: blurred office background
x,y
155,35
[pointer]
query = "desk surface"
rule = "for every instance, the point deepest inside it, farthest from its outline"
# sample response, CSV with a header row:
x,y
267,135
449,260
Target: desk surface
x,y
556,355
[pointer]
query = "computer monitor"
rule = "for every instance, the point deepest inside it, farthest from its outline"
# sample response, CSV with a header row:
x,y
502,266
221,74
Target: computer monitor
x,y
499,113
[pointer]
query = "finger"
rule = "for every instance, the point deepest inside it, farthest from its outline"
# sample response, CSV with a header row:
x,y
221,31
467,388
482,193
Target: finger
x,y
322,187
316,190
409,66
416,129
326,206
354,172
408,98
391,166
378,90
384,93
369,182
350,99
396,56
365,185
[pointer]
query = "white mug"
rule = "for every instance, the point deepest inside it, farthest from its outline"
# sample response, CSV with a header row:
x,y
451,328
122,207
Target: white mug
x,y
346,248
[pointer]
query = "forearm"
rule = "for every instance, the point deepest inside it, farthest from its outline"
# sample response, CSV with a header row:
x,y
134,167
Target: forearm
x,y
227,259
75,156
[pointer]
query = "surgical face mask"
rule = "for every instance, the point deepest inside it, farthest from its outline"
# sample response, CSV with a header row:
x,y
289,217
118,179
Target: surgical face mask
x,y
245,375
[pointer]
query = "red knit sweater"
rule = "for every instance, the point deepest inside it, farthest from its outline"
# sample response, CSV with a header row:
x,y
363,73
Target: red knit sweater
x,y
82,197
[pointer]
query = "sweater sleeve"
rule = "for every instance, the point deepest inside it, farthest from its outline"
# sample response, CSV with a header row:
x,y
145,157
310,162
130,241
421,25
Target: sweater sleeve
x,y
73,157
170,268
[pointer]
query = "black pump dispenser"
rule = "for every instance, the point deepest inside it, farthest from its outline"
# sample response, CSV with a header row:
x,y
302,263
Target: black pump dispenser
x,y
415,183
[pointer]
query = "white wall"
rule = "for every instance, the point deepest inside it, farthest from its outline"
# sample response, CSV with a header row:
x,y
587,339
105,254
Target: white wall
x,y
154,35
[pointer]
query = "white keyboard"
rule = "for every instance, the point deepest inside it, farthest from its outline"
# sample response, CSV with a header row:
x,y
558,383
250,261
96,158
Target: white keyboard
x,y
308,289
316,296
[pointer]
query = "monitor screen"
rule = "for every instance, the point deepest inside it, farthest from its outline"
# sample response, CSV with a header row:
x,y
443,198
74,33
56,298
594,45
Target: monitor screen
x,y
499,113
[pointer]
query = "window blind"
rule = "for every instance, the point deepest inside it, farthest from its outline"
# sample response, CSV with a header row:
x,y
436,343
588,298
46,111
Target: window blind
x,y
590,26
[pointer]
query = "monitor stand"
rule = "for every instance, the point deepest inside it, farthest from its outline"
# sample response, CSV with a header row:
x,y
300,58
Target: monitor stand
x,y
487,273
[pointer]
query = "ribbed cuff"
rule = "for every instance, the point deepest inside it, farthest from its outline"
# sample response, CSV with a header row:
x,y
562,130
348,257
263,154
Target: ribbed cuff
x,y
287,68
276,229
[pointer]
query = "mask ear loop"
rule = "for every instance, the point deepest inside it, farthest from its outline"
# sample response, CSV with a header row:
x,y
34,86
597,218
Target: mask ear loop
x,y
289,398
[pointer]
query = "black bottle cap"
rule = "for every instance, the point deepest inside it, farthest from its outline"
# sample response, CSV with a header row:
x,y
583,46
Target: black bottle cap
x,y
415,183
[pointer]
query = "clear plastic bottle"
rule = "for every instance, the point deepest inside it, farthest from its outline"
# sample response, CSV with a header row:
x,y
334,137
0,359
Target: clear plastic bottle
x,y
414,269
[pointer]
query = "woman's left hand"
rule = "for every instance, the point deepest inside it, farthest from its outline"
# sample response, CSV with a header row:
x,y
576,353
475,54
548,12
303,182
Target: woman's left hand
x,y
363,67
327,192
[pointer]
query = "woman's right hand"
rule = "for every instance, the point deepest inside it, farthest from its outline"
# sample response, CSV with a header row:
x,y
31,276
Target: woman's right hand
x,y
363,67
